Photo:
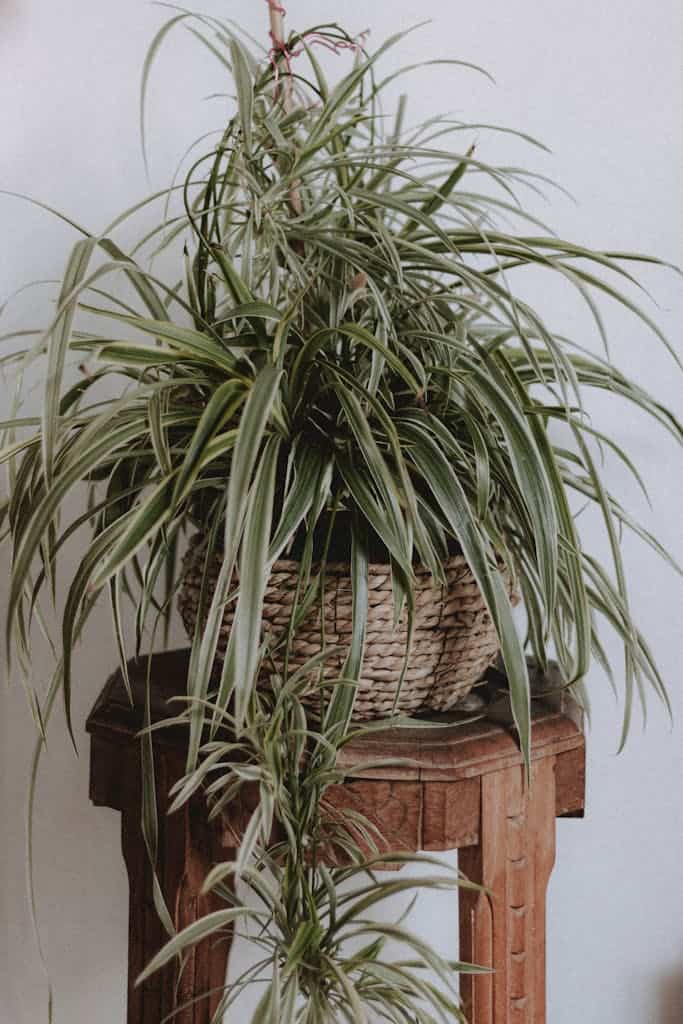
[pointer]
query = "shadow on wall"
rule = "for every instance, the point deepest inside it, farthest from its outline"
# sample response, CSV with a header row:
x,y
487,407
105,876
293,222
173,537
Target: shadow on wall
x,y
670,998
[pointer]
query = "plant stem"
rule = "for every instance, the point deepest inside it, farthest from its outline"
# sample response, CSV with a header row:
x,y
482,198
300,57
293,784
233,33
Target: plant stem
x,y
277,36
277,22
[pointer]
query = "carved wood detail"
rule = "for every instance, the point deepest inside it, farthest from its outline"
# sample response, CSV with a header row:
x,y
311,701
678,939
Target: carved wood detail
x,y
393,808
505,928
451,814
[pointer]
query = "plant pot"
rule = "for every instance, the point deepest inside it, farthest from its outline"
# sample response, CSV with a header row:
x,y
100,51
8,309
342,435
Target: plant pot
x,y
454,640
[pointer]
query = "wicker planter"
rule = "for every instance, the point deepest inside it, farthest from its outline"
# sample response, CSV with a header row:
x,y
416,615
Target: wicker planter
x,y
454,640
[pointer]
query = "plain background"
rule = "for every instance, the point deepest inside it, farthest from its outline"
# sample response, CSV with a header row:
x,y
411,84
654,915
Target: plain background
x,y
601,82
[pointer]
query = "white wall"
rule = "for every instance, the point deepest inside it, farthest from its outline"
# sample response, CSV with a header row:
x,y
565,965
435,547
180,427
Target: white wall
x,y
601,82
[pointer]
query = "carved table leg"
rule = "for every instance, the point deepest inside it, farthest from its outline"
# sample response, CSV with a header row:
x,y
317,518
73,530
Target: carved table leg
x,y
513,860
188,848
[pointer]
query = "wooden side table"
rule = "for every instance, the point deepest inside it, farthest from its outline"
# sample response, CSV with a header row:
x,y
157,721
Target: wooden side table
x,y
466,792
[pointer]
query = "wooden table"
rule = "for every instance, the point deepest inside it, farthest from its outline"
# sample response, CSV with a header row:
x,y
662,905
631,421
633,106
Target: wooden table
x,y
466,792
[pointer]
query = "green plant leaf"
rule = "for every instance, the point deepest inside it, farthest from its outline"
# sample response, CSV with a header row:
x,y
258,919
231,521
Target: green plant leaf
x,y
241,659
57,346
194,933
245,91
220,408
447,490
251,430
340,709
187,341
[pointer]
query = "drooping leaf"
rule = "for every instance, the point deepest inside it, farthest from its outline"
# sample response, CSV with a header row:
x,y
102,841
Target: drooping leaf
x,y
57,346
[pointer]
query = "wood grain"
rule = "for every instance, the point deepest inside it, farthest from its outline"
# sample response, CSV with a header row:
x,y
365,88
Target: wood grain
x,y
504,928
188,847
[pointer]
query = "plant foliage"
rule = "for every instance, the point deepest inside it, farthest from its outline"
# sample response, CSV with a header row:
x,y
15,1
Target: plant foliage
x,y
344,333
339,331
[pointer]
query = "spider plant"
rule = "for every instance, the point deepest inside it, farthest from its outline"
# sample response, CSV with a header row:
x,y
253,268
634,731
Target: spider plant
x,y
310,882
338,330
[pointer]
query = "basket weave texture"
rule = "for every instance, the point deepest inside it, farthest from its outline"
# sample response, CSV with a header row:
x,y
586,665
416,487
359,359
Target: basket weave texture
x,y
454,639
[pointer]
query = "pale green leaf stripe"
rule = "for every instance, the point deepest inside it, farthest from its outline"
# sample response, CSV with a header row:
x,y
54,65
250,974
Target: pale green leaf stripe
x,y
379,471
309,466
568,416
58,344
340,708
223,403
368,896
349,989
155,511
251,429
367,338
359,334
130,354
194,933
241,660
268,1009
367,502
115,602
398,975
249,840
192,342
572,553
152,51
158,410
15,449
245,90
95,443
423,950
235,282
218,446
444,484
629,637
422,540
435,201
261,310
341,93
138,278
530,473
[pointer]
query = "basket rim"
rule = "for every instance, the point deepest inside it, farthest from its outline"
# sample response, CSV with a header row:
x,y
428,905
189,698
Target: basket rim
x,y
195,545
384,567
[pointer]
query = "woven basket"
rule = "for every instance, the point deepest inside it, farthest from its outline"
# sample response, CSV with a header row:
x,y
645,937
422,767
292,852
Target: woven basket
x,y
454,640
